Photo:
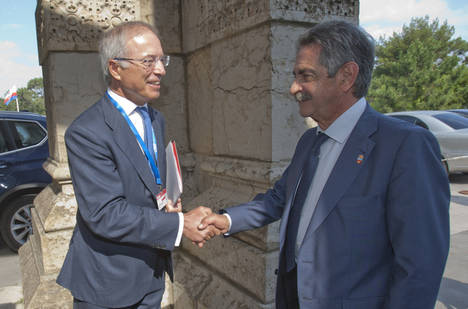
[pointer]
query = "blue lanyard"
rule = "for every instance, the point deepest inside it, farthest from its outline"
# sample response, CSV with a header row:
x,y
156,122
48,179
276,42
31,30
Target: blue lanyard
x,y
150,158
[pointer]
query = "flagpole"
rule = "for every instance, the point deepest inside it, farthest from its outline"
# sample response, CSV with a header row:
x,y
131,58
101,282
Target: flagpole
x,y
17,105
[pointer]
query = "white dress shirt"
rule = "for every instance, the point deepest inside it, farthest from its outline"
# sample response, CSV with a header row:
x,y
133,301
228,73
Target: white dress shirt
x,y
130,109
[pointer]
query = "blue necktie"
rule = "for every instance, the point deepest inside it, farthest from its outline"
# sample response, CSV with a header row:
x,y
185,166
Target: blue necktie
x,y
148,130
310,166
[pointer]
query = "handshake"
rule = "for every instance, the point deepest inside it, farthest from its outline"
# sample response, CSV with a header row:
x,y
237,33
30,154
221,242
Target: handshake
x,y
201,224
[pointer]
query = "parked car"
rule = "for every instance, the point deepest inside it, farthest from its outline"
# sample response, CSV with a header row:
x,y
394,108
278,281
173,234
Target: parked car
x,y
463,112
451,131
23,150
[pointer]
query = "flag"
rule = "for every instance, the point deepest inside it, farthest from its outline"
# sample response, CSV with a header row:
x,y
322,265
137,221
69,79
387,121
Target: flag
x,y
10,95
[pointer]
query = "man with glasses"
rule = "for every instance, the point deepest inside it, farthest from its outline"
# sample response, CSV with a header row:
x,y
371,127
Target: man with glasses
x,y
121,245
364,202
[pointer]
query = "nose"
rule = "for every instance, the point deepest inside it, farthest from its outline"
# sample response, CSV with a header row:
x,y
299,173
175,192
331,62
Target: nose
x,y
159,68
295,88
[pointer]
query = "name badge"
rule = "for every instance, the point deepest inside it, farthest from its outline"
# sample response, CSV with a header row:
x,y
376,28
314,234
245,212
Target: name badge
x,y
161,198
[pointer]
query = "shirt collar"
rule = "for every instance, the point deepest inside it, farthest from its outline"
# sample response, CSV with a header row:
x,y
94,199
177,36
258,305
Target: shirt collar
x,y
341,128
127,105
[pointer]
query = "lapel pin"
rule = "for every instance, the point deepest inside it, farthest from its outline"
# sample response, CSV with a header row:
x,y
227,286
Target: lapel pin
x,y
359,159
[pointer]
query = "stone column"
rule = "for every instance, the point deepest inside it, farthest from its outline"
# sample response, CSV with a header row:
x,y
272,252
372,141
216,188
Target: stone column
x,y
243,127
67,33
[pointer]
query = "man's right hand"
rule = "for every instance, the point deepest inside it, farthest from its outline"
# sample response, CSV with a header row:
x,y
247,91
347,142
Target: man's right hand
x,y
220,222
192,221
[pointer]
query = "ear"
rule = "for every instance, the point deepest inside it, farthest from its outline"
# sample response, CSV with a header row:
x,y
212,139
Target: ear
x,y
347,75
114,70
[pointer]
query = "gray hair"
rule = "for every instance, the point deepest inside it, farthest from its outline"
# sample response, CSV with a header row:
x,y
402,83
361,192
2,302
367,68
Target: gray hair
x,y
113,43
342,42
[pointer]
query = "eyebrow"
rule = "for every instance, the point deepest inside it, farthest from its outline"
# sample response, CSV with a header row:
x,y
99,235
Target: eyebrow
x,y
303,71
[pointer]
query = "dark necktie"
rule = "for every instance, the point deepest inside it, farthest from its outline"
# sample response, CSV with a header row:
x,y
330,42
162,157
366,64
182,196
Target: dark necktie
x,y
310,166
148,130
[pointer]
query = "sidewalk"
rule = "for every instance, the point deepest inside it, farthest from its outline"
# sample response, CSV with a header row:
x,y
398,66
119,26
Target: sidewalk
x,y
11,292
11,297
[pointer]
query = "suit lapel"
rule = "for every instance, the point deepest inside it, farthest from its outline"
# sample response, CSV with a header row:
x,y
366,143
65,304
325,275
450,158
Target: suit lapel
x,y
347,167
124,138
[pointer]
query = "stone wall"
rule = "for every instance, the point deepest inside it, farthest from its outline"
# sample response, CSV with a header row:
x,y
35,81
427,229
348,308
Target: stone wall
x,y
226,103
242,128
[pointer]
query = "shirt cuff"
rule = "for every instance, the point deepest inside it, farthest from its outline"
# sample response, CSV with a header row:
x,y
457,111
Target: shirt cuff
x,y
230,223
181,229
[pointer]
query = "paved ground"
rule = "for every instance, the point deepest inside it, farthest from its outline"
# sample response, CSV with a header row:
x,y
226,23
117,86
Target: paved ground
x,y
454,288
453,292
11,295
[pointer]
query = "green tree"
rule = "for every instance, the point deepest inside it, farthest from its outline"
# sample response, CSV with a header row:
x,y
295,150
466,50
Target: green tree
x,y
421,68
30,98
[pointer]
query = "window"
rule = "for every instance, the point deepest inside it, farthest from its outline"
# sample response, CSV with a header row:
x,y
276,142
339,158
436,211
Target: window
x,y
6,139
29,133
18,134
453,120
3,145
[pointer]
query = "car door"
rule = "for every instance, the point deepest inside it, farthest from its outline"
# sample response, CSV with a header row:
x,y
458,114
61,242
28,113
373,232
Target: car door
x,y
23,152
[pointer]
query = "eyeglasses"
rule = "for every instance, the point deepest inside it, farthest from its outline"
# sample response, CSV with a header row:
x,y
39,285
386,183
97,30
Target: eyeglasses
x,y
149,62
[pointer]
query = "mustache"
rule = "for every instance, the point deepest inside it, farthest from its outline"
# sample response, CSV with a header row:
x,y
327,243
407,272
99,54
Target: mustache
x,y
303,96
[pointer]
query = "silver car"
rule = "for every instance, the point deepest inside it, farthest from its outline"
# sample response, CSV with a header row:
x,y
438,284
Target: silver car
x,y
450,129
463,112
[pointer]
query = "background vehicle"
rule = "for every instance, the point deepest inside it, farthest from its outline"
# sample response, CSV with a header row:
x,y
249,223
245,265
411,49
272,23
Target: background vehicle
x,y
23,150
463,112
451,131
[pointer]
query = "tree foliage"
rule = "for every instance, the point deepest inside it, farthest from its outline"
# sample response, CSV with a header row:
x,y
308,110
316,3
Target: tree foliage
x,y
421,68
30,98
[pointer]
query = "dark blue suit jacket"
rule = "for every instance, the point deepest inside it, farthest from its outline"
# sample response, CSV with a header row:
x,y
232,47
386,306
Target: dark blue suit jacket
x,y
379,237
121,243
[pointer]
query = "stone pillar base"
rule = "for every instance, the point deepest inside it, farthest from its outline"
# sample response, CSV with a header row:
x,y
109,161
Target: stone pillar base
x,y
40,290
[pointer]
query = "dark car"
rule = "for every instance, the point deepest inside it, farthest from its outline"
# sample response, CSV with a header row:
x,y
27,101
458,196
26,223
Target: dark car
x,y
23,150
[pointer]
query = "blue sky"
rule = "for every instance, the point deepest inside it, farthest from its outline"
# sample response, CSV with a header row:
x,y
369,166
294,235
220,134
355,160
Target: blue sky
x,y
18,46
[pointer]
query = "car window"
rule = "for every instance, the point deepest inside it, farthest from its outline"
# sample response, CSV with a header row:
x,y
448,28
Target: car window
x,y
7,142
29,133
3,145
453,120
420,123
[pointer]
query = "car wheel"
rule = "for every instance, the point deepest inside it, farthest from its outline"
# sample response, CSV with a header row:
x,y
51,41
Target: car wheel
x,y
15,223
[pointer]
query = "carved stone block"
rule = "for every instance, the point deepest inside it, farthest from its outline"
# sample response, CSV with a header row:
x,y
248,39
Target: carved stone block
x,y
172,104
197,286
200,101
229,83
39,288
166,16
313,11
74,82
76,25
287,124
205,21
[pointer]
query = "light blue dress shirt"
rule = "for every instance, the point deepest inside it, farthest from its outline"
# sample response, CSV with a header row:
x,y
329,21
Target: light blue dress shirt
x,y
338,133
